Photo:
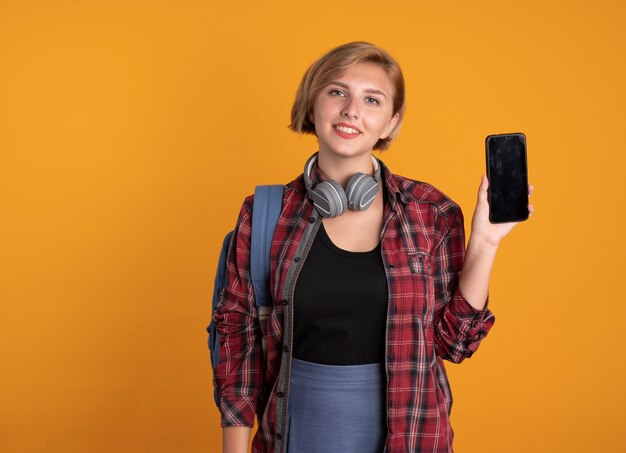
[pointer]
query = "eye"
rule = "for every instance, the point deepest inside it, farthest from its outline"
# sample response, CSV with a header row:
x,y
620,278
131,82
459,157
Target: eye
x,y
336,93
373,101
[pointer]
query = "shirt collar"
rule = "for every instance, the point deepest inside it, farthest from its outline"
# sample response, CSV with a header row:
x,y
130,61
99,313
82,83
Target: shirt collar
x,y
394,191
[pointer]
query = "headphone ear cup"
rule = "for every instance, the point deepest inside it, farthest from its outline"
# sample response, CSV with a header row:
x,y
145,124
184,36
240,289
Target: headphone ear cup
x,y
330,199
361,191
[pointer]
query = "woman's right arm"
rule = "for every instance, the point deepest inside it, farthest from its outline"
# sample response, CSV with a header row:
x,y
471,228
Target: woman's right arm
x,y
235,439
238,376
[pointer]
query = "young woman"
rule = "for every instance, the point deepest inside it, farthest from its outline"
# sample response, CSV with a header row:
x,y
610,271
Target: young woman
x,y
372,285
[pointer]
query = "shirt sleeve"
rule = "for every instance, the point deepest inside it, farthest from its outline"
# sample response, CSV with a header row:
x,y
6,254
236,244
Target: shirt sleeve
x,y
459,327
238,376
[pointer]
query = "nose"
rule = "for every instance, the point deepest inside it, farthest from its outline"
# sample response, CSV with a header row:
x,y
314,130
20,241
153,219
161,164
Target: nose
x,y
350,108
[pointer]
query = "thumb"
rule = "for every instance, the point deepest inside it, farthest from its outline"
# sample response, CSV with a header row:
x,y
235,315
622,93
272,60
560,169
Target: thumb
x,y
482,189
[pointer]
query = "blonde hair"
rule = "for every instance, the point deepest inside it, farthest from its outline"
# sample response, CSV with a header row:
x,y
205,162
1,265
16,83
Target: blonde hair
x,y
333,65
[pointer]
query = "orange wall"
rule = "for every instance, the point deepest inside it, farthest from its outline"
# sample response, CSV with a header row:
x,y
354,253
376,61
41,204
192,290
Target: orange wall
x,y
130,131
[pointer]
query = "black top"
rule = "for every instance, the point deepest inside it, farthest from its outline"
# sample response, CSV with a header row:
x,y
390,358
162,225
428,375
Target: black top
x,y
340,307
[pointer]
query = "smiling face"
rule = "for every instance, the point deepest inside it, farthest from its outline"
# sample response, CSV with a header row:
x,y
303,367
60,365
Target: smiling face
x,y
354,111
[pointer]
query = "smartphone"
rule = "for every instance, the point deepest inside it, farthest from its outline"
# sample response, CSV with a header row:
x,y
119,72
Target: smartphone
x,y
507,170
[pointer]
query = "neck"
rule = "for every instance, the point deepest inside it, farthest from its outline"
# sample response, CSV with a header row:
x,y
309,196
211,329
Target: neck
x,y
341,169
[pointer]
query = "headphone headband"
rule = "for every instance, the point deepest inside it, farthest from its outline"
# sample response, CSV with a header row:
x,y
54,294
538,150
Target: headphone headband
x,y
329,197
308,166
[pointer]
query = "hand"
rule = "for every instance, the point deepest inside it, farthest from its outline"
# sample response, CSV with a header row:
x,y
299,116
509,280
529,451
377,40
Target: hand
x,y
482,228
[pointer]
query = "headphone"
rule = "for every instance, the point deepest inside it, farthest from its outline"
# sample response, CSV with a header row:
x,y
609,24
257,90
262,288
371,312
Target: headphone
x,y
331,200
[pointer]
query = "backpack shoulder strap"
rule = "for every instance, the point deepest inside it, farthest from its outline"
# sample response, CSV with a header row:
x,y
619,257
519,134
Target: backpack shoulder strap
x,y
268,201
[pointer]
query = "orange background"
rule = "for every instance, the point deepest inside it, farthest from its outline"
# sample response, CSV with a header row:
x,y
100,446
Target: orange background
x,y
130,131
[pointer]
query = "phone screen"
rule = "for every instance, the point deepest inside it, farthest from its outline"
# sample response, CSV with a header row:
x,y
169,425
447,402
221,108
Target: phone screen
x,y
508,177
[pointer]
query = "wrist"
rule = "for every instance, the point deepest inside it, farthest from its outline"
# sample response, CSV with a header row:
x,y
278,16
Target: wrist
x,y
479,244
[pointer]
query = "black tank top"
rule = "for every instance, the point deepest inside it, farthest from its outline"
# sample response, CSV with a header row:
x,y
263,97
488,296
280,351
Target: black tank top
x,y
340,307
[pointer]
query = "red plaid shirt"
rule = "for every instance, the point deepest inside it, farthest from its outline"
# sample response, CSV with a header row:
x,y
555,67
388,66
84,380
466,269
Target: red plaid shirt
x,y
428,320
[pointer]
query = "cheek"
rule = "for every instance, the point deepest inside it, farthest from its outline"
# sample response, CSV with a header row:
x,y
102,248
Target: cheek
x,y
378,124
320,107
322,115
318,121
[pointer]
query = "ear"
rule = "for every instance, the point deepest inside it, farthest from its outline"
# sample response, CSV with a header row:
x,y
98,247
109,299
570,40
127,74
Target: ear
x,y
392,123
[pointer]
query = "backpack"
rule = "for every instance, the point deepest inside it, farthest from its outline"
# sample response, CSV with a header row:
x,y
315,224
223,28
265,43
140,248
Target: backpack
x,y
265,212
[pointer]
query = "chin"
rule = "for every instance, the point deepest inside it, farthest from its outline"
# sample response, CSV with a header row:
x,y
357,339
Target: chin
x,y
347,149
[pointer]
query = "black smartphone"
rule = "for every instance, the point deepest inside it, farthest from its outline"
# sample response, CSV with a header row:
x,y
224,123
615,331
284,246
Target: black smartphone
x,y
507,170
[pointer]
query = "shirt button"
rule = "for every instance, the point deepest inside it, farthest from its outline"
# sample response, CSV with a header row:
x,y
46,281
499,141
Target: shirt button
x,y
312,220
286,348
390,267
284,302
474,324
280,394
296,259
279,436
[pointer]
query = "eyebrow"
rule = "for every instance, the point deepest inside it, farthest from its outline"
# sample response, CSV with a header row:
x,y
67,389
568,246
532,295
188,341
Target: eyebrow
x,y
369,90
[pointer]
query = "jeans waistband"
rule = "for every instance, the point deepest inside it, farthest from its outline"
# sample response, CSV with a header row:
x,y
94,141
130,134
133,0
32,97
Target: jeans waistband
x,y
332,374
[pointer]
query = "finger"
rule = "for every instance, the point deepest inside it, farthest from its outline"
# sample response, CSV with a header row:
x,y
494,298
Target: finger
x,y
482,189
531,209
531,189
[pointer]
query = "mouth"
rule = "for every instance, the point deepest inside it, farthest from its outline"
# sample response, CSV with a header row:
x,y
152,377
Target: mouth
x,y
346,130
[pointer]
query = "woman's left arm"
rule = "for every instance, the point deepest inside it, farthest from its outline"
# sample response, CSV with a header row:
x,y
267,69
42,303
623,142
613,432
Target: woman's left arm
x,y
481,249
461,275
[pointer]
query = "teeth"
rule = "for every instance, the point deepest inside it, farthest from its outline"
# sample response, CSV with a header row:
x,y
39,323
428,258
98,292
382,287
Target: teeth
x,y
347,130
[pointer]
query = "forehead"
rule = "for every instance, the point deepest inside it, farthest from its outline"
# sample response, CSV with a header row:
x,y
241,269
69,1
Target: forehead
x,y
366,76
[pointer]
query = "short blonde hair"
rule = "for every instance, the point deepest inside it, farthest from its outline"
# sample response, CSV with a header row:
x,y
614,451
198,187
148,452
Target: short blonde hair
x,y
333,65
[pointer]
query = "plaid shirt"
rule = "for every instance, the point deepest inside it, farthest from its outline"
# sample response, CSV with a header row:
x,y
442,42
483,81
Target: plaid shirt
x,y
428,320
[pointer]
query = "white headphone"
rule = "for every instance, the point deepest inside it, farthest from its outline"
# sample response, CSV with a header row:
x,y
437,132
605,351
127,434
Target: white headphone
x,y
331,200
